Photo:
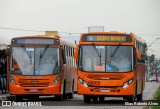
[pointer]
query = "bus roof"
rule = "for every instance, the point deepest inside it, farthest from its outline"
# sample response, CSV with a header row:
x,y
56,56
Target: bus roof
x,y
36,36
140,39
88,41
109,32
64,42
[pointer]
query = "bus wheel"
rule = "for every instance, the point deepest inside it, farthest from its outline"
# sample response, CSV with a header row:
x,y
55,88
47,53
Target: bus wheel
x,y
70,95
140,96
64,90
130,98
36,97
18,98
86,98
59,97
101,99
95,99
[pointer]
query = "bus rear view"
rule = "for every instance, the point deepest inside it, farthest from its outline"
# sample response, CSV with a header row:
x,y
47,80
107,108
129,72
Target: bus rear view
x,y
107,67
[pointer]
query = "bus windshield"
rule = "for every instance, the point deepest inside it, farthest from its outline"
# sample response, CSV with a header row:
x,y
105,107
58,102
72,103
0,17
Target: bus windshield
x,y
34,61
95,58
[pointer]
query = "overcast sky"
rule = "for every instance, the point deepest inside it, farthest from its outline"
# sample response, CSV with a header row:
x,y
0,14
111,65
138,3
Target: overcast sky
x,y
141,17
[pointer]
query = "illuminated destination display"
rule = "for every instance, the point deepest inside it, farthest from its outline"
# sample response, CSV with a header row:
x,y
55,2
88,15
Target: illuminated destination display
x,y
35,41
106,38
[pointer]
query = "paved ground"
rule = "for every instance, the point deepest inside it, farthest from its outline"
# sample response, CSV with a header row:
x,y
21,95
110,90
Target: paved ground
x,y
109,103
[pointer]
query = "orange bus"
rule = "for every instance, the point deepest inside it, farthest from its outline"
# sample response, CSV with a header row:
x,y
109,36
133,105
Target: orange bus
x,y
41,65
110,64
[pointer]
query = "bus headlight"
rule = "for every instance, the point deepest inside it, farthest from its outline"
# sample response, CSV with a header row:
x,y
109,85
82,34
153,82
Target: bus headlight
x,y
84,83
11,79
126,84
56,79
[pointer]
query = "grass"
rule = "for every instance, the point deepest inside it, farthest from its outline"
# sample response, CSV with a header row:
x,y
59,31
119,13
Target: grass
x,y
156,97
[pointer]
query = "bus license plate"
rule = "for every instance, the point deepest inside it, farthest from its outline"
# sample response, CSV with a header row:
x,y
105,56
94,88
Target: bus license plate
x,y
105,90
33,90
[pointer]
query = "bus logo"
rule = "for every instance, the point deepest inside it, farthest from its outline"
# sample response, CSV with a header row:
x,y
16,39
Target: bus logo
x,y
22,80
34,81
97,83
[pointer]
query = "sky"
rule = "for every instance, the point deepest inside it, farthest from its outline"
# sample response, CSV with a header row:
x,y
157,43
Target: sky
x,y
141,17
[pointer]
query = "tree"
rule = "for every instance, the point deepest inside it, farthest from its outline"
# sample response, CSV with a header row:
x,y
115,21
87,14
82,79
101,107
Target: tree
x,y
151,58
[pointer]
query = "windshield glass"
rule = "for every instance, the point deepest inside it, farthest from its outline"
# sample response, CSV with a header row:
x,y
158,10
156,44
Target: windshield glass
x,y
29,61
95,58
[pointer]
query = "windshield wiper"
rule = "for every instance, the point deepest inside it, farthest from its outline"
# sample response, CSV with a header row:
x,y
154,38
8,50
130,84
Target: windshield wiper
x,y
28,53
44,51
98,53
114,52
42,54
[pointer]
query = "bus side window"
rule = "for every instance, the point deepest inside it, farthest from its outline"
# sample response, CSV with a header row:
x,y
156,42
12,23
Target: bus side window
x,y
63,56
15,65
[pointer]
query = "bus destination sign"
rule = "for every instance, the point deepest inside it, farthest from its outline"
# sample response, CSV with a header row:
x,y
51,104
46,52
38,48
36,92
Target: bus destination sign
x,y
106,38
42,41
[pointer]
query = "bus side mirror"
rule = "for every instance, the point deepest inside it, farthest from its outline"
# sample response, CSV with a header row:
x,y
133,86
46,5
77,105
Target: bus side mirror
x,y
138,54
63,56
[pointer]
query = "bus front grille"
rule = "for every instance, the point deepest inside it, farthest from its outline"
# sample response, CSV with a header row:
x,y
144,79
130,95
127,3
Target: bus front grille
x,y
34,83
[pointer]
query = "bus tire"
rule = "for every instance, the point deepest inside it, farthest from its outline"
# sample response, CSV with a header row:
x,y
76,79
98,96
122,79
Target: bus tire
x,y
140,96
101,99
130,98
59,97
35,98
86,98
70,95
64,90
95,98
18,98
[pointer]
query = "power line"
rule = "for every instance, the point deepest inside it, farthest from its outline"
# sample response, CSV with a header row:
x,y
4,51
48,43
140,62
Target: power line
x,y
17,29
35,30
154,43
20,29
149,34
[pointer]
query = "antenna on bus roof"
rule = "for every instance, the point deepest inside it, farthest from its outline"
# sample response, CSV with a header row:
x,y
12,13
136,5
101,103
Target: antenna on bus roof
x,y
96,29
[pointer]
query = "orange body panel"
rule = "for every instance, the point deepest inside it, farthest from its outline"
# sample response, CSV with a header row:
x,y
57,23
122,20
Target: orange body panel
x,y
113,84
110,84
43,84
35,85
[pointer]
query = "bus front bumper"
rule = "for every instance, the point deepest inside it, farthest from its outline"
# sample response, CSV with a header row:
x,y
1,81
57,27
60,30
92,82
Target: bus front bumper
x,y
106,91
50,90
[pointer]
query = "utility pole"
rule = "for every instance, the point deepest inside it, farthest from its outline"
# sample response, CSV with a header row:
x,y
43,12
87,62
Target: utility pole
x,y
147,77
148,66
